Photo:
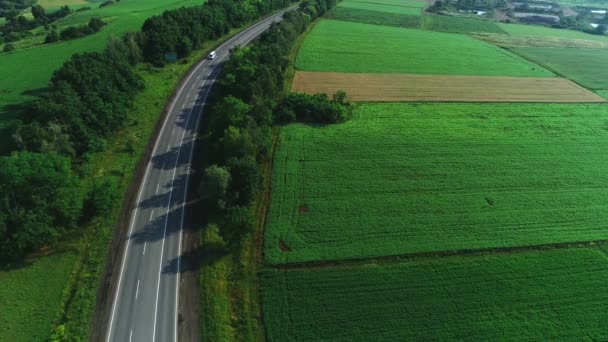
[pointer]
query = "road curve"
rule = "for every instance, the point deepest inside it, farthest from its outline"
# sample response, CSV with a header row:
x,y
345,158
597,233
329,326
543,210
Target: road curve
x,y
145,304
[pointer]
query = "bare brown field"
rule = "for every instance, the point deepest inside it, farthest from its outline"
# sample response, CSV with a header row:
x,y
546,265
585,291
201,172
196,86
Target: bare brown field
x,y
442,88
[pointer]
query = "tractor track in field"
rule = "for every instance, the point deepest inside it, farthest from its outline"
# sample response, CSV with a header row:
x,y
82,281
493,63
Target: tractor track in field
x,y
437,254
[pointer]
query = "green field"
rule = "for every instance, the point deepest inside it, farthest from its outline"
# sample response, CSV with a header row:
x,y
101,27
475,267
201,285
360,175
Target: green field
x,y
559,295
402,3
375,17
29,70
411,178
584,66
378,7
460,25
30,297
542,31
354,47
603,93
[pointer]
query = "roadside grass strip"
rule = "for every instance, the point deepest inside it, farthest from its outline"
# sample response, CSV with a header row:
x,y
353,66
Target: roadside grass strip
x,y
443,88
341,46
536,296
424,178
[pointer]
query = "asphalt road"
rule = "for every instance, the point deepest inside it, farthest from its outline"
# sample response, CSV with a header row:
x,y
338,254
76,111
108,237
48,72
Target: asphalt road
x,y
146,302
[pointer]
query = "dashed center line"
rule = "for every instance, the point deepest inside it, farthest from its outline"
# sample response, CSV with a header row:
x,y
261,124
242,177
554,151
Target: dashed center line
x,y
137,290
131,335
151,213
168,147
144,253
157,186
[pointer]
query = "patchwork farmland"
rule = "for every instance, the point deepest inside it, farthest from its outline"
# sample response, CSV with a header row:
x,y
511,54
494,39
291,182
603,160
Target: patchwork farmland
x,y
444,88
483,220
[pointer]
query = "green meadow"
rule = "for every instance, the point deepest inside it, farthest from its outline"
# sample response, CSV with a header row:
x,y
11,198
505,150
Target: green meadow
x,y
460,25
341,46
31,295
558,295
584,66
543,31
413,178
379,7
375,17
27,71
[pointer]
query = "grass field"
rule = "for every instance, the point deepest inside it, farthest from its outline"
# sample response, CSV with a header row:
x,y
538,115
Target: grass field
x,y
460,25
603,93
353,47
542,31
584,66
443,88
375,17
508,41
30,297
401,3
415,178
52,5
536,296
379,7
25,72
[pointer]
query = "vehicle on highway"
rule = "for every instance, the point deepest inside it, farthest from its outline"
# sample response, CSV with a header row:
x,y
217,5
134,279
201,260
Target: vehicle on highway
x,y
212,55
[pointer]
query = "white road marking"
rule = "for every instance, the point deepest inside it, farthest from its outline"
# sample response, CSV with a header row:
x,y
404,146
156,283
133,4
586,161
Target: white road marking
x,y
168,147
137,290
173,132
163,167
145,243
157,186
151,213
131,335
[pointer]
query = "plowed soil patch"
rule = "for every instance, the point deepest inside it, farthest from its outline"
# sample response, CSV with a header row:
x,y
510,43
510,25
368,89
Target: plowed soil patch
x,y
442,88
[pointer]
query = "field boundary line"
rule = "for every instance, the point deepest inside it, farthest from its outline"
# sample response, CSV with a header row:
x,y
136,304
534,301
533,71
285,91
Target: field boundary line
x,y
438,254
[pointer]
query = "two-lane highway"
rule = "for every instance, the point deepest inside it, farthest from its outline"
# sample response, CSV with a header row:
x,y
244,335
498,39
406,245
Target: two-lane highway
x,y
146,301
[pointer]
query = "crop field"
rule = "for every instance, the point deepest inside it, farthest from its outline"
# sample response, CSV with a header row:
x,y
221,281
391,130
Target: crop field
x,y
375,17
443,88
508,41
341,46
387,8
584,66
30,297
36,65
533,296
415,178
542,31
460,25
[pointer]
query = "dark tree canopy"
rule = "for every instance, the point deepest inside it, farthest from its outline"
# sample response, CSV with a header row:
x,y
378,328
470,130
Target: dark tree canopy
x,y
38,201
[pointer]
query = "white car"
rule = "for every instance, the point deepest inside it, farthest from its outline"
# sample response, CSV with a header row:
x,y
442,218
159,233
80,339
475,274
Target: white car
x,y
211,55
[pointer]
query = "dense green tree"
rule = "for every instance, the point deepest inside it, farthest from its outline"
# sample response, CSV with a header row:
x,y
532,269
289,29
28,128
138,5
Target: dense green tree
x,y
238,222
246,181
214,185
38,201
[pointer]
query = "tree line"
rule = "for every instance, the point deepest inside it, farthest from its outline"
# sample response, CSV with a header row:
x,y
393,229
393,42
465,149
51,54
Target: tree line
x,y
249,101
17,26
88,100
